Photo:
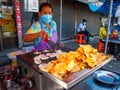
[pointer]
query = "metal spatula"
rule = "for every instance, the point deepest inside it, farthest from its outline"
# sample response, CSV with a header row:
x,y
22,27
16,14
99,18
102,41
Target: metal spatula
x,y
52,45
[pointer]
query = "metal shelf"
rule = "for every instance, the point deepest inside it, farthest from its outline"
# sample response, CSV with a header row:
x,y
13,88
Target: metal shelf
x,y
9,36
4,37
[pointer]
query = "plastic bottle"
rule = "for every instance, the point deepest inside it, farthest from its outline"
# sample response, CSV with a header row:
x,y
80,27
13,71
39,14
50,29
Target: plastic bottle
x,y
119,36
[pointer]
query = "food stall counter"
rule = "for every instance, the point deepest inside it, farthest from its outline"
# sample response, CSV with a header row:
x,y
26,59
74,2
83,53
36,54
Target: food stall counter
x,y
46,80
111,40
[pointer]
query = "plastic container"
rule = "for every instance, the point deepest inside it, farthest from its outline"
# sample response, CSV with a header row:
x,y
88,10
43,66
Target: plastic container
x,y
14,62
118,37
8,83
115,34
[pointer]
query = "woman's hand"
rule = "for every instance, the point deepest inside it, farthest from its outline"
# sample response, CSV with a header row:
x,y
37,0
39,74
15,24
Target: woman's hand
x,y
32,37
59,44
43,35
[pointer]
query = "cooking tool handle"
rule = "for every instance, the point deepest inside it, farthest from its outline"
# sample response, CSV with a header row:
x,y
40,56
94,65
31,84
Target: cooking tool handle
x,y
51,44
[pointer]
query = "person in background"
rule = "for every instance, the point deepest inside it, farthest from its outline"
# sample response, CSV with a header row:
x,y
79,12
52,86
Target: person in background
x,y
82,29
42,30
103,32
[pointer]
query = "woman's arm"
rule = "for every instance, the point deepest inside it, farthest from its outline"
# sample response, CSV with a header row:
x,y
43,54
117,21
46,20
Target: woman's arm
x,y
32,37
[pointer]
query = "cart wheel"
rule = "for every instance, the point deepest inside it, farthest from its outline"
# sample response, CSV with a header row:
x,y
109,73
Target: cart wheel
x,y
29,84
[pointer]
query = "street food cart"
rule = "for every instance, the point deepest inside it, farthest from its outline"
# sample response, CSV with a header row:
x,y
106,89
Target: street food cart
x,y
46,81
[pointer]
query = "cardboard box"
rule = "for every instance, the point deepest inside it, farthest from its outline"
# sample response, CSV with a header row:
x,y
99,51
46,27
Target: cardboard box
x,y
8,25
7,10
7,16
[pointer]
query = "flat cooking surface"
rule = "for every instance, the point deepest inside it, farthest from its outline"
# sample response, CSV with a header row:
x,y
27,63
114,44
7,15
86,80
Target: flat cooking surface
x,y
67,82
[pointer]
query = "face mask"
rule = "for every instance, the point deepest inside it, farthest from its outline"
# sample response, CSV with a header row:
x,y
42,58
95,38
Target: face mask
x,y
46,18
84,23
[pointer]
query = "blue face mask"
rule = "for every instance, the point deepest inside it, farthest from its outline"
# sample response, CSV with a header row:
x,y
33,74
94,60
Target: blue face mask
x,y
84,23
46,18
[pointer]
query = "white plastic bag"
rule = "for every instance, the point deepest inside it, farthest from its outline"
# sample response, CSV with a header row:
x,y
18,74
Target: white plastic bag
x,y
117,14
91,39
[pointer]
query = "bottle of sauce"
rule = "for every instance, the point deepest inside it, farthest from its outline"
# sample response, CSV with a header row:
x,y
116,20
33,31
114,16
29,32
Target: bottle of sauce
x,y
115,34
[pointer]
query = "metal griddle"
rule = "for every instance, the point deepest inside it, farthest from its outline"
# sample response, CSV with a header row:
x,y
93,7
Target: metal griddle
x,y
67,82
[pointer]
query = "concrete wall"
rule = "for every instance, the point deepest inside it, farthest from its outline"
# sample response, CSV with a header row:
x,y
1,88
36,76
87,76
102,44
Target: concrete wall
x,y
72,14
93,19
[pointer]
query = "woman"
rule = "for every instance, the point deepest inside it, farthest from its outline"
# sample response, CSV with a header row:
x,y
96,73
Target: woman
x,y
43,30
103,32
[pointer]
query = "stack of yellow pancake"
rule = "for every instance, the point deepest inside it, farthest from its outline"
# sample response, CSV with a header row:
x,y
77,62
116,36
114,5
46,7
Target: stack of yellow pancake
x,y
84,57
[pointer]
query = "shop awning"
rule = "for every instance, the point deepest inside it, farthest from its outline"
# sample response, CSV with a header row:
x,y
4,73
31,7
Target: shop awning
x,y
83,1
103,6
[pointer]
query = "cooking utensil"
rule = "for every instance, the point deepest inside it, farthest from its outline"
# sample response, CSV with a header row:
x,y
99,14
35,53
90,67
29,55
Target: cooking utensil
x,y
8,83
52,45
115,87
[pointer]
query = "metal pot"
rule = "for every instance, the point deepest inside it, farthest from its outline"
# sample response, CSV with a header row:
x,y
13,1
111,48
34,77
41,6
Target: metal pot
x,y
8,83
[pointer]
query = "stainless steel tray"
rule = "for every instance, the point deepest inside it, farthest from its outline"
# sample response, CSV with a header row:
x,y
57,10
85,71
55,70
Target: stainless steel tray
x,y
74,78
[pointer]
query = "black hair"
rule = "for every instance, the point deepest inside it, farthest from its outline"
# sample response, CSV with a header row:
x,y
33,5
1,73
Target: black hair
x,y
45,4
84,20
35,16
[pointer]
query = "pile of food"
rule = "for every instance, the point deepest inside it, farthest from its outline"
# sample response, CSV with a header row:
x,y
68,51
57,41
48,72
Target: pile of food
x,y
84,57
46,56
